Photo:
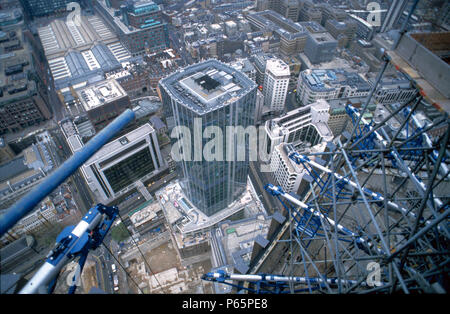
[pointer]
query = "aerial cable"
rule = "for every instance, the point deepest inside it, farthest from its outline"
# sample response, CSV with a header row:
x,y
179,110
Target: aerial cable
x,y
143,257
128,275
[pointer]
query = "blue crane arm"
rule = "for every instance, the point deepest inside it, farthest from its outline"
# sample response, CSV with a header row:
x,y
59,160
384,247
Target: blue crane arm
x,y
72,242
27,203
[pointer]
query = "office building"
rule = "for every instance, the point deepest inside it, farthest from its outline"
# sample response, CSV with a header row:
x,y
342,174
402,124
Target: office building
x,y
6,152
330,12
23,101
121,164
216,95
339,120
103,101
394,87
343,31
310,12
11,18
259,107
364,30
295,66
290,9
232,243
259,61
330,84
287,173
313,27
246,67
36,8
292,35
320,47
22,173
276,83
15,252
307,124
139,25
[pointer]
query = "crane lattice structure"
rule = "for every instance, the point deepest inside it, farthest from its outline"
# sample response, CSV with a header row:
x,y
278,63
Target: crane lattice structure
x,y
376,214
375,219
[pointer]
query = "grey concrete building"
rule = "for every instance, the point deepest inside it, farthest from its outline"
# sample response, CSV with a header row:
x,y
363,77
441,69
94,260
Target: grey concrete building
x,y
320,47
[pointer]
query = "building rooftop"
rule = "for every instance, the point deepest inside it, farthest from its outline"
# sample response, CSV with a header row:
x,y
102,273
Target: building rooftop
x,y
361,20
118,145
16,248
340,25
11,17
301,117
15,65
279,24
189,219
157,123
313,27
208,85
78,68
277,67
235,240
324,80
322,37
144,213
136,8
394,79
338,62
64,34
13,168
243,65
26,169
100,93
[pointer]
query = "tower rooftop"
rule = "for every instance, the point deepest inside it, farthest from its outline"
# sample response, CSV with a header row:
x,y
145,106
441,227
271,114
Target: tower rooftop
x,y
206,86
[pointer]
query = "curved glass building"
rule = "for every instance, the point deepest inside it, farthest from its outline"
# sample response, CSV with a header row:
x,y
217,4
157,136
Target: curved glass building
x,y
211,94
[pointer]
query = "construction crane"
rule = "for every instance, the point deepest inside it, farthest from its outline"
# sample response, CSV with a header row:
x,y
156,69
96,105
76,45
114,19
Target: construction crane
x,y
273,283
319,220
72,242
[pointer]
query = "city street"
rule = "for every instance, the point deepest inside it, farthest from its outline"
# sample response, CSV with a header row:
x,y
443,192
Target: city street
x,y
81,191
291,102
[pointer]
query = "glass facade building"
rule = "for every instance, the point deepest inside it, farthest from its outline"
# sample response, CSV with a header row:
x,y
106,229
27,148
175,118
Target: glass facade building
x,y
130,170
120,164
211,94
44,7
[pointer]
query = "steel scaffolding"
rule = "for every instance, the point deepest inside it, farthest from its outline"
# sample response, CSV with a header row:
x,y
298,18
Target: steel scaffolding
x,y
375,217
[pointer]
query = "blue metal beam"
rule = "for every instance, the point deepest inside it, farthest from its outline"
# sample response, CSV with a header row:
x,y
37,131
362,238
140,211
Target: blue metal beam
x,y
27,203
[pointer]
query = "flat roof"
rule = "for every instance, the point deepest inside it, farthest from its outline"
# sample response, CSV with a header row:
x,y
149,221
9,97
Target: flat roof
x,y
100,93
13,168
322,37
278,67
118,19
323,80
195,220
279,24
14,66
116,146
207,86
